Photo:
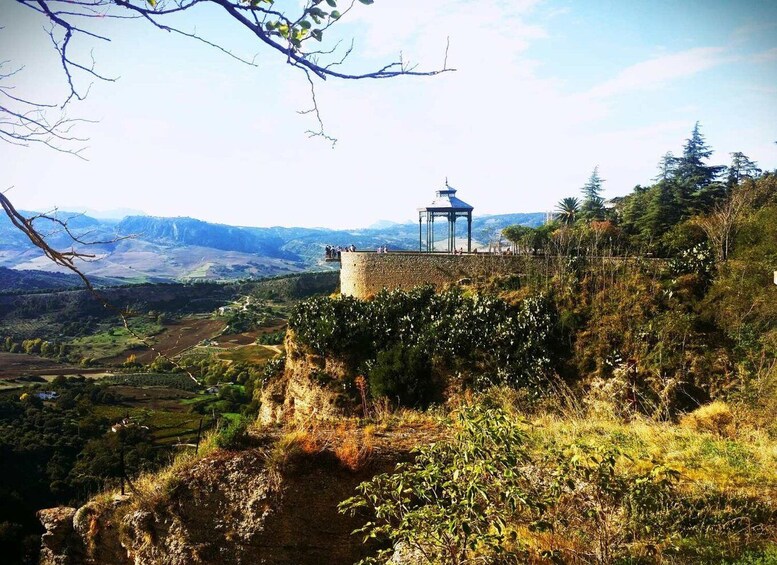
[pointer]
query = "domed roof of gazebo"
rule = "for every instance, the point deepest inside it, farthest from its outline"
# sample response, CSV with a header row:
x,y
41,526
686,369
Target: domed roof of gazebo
x,y
445,200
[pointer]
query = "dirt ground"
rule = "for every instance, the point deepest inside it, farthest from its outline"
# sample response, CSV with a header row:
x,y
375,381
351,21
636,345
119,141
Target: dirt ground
x,y
176,338
247,338
14,365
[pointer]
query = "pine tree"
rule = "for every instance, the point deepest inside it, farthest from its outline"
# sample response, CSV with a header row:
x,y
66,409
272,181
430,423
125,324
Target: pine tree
x,y
667,167
660,212
694,180
741,167
593,203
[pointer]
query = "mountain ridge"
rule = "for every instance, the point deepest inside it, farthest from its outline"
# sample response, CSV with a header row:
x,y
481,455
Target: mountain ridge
x,y
157,249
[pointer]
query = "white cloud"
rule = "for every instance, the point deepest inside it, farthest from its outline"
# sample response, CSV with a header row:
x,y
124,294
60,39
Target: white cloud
x,y
655,73
767,56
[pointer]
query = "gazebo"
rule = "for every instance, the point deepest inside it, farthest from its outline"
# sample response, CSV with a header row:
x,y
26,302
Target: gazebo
x,y
445,205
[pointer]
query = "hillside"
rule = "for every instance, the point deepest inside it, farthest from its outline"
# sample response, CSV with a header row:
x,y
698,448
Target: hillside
x,y
614,404
20,280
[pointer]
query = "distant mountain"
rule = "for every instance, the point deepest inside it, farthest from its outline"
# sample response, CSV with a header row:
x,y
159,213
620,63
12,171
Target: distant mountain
x,y
155,249
382,224
188,231
116,214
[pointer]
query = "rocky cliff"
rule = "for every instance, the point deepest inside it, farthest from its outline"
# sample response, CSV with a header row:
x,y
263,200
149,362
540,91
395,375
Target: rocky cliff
x,y
225,508
310,386
273,503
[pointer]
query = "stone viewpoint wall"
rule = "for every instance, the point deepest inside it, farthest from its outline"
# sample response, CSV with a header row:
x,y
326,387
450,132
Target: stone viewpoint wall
x,y
364,273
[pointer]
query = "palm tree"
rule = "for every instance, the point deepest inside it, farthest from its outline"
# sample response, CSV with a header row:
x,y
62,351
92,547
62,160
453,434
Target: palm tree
x,y
567,209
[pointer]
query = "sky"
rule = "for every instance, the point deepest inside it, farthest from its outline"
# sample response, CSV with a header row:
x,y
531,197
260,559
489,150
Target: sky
x,y
543,92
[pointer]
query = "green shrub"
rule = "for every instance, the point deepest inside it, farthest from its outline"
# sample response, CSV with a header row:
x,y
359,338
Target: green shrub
x,y
403,374
455,497
234,436
766,556
480,334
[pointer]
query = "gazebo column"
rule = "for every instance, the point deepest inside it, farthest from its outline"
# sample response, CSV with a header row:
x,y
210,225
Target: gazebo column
x,y
449,231
431,235
427,232
453,233
469,232
420,236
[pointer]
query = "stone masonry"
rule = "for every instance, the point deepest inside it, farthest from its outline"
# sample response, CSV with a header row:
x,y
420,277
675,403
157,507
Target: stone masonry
x,y
363,273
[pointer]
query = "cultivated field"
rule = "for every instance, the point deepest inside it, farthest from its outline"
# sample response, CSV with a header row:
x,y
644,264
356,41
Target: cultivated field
x,y
14,365
173,340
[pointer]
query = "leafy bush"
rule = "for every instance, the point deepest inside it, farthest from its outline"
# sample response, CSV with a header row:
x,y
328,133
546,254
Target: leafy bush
x,y
455,497
768,556
697,260
273,368
234,436
404,374
490,495
481,335
485,496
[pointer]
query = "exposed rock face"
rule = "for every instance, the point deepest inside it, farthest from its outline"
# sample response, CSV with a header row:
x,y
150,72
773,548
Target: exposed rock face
x,y
59,545
310,386
227,508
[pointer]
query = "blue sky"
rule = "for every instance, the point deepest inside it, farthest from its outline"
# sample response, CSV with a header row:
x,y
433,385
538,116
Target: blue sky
x,y
543,92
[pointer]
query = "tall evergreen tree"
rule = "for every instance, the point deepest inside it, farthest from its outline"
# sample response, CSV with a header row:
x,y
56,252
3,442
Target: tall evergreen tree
x,y
667,167
593,203
741,167
660,212
694,181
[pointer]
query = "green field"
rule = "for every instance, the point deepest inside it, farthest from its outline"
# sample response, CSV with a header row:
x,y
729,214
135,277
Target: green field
x,y
253,354
115,340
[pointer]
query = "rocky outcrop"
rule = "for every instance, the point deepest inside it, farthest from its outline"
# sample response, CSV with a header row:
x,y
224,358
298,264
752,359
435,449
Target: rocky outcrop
x,y
311,386
59,545
226,508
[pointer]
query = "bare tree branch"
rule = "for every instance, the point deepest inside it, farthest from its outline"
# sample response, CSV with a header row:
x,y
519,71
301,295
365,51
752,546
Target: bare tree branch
x,y
68,259
292,31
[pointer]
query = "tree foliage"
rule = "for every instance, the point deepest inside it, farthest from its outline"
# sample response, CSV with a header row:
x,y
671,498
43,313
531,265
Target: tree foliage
x,y
592,208
483,336
567,210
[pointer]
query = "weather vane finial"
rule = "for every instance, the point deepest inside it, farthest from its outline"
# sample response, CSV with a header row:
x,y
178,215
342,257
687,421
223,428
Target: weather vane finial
x,y
446,181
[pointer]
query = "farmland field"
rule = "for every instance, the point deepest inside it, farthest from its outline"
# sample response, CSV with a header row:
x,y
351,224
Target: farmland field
x,y
173,340
255,354
19,364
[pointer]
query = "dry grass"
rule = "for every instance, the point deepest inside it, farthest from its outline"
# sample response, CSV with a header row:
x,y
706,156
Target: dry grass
x,y
353,447
385,417
743,464
302,440
715,418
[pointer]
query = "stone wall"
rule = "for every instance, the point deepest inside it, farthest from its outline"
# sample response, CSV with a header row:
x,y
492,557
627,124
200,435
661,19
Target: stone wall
x,y
364,273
